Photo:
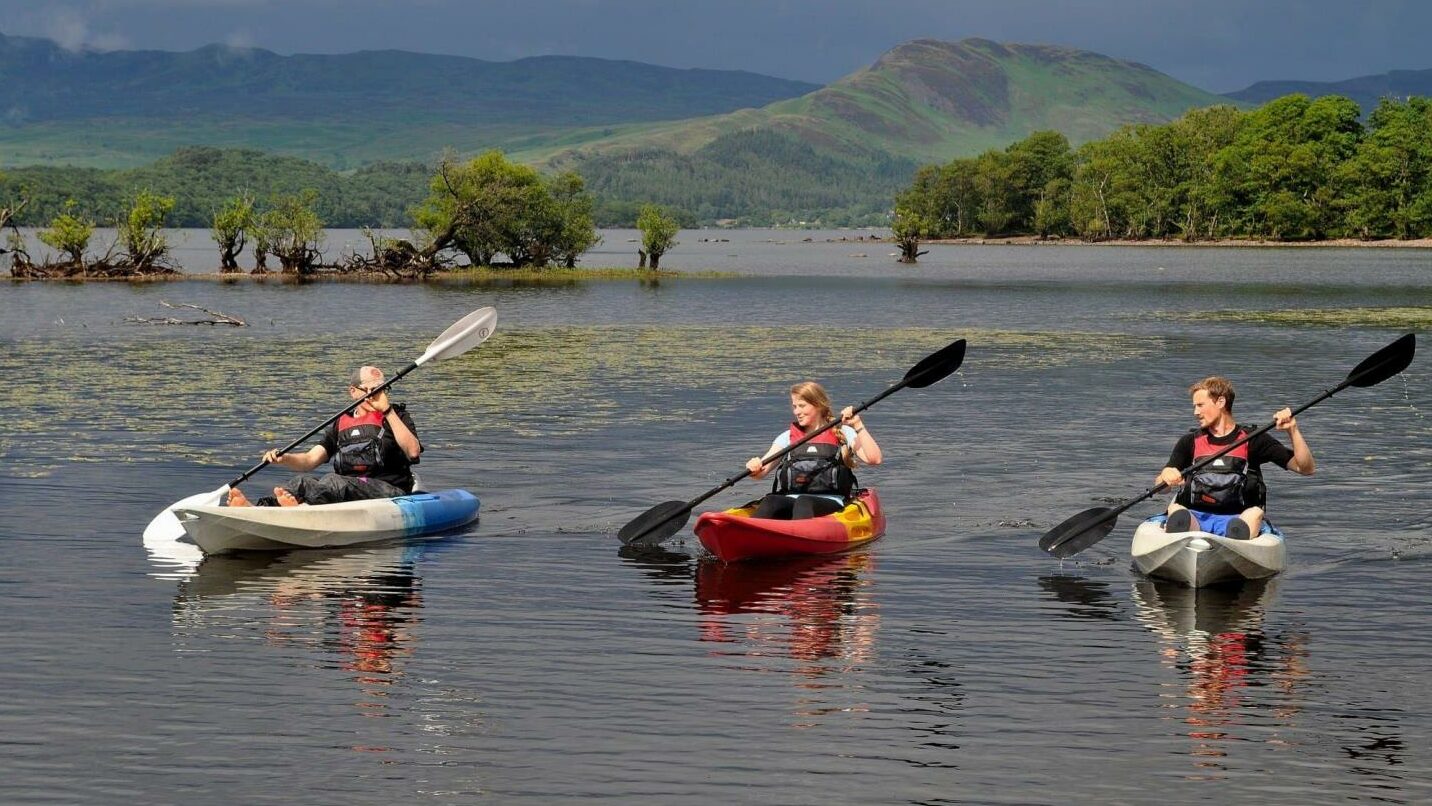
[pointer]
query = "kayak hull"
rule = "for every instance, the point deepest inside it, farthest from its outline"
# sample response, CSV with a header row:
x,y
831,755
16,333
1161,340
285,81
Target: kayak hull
x,y
217,530
734,535
1200,558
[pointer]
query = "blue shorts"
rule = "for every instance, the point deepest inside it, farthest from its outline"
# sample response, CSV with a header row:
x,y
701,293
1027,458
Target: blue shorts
x,y
1218,524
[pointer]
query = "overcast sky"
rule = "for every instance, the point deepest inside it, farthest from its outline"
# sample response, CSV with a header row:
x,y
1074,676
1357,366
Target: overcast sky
x,y
1220,45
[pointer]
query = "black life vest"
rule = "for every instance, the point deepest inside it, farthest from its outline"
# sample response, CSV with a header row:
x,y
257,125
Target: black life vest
x,y
1223,486
360,444
814,468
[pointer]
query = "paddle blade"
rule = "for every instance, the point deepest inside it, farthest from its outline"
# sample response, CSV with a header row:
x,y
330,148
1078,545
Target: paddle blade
x,y
1079,532
165,528
936,366
656,524
465,334
1384,363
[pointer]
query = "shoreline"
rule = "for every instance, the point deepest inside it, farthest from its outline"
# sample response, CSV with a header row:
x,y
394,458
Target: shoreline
x,y
464,275
1034,240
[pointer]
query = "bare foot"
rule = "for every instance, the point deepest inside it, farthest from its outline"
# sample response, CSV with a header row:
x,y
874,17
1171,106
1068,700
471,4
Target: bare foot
x,y
238,499
285,498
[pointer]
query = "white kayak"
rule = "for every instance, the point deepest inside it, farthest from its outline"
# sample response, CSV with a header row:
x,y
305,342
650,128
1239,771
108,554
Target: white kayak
x,y
1200,558
222,529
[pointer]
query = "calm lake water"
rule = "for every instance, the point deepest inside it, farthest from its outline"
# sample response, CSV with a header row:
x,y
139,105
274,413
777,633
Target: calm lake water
x,y
529,659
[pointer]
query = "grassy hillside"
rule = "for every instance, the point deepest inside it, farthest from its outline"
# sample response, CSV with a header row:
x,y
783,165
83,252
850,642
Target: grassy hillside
x,y
1366,90
124,108
849,145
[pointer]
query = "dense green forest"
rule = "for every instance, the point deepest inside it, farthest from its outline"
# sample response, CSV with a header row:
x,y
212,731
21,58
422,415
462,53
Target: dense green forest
x,y
1293,169
757,178
202,179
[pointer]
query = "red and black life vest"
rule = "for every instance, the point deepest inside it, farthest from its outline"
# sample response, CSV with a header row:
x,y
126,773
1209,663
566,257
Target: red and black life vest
x,y
360,444
814,468
1221,486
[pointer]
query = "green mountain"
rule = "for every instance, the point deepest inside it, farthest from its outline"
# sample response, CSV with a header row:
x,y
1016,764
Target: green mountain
x,y
837,154
110,109
1366,90
852,144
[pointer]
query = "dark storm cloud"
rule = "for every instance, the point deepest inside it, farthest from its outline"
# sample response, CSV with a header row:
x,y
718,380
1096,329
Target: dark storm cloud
x,y
1216,44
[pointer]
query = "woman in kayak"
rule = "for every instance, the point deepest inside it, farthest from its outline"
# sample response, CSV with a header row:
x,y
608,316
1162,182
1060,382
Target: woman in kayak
x,y
817,478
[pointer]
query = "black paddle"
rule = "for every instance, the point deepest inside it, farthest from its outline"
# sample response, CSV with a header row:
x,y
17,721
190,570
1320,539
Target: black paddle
x,y
667,518
1092,525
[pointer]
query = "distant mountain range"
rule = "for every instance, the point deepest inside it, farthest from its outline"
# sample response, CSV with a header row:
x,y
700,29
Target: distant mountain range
x,y
718,144
1366,90
118,108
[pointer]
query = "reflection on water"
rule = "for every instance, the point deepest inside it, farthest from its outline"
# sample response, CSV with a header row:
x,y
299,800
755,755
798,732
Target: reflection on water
x,y
1242,682
815,611
357,610
1085,599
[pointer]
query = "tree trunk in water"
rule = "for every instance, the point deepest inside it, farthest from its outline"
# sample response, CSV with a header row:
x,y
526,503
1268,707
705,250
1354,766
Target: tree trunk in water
x,y
655,260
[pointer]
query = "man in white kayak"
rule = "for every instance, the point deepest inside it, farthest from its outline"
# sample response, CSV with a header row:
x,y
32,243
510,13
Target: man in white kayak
x,y
373,448
1228,496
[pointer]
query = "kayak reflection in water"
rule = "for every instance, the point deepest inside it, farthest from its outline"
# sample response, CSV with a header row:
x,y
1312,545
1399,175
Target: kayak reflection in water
x,y
817,478
373,448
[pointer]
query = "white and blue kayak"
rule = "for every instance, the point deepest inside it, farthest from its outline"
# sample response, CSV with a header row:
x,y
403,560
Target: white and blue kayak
x,y
217,529
1199,558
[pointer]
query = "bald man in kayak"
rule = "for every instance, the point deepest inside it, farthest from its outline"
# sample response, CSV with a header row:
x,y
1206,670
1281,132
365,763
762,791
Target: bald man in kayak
x,y
373,448
1228,496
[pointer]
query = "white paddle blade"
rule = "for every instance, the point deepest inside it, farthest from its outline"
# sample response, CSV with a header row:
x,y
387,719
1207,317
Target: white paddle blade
x,y
165,528
464,335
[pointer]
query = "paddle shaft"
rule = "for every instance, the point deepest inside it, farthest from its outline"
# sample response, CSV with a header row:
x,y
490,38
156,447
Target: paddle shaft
x,y
350,407
803,440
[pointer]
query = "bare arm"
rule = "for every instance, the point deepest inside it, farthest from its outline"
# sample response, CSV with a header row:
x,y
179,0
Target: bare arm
x,y
1302,461
298,462
867,450
404,435
761,465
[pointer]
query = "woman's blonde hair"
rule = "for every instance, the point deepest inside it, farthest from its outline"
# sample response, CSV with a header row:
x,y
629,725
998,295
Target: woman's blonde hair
x,y
815,394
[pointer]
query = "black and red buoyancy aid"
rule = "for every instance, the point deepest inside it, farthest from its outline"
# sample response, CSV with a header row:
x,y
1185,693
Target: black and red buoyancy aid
x,y
1222,486
814,468
360,444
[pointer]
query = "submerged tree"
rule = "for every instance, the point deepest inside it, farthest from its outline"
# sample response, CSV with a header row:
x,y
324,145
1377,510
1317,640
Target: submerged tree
x,y
13,201
294,231
911,224
489,206
658,235
139,230
232,224
572,204
69,234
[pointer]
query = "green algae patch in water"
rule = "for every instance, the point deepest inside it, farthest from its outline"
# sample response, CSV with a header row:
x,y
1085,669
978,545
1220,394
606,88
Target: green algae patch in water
x,y
1397,318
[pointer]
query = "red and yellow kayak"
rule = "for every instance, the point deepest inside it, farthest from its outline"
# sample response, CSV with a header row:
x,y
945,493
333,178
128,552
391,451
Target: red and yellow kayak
x,y
734,535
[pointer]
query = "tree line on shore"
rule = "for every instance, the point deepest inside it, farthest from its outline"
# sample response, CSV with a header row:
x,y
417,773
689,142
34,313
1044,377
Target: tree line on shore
x,y
1295,169
475,212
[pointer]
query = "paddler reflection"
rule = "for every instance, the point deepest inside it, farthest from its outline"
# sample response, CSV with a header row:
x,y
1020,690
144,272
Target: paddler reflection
x,y
1237,673
360,607
817,611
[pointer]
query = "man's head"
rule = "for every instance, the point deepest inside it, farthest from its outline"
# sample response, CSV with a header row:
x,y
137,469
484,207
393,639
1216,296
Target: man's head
x,y
364,380
1212,398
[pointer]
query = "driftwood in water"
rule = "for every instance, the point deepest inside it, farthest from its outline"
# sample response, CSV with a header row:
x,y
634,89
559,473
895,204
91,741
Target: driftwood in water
x,y
218,317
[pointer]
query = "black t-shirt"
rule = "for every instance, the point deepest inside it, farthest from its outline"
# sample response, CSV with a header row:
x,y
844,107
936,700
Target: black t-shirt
x,y
1262,449
395,467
